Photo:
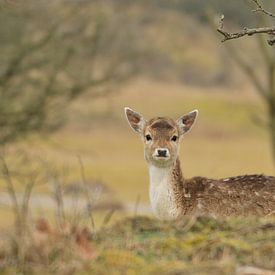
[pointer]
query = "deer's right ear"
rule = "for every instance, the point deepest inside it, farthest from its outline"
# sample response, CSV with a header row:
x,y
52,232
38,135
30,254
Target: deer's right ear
x,y
135,120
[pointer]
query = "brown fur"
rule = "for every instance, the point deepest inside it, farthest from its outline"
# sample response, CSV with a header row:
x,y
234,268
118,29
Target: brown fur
x,y
161,124
234,196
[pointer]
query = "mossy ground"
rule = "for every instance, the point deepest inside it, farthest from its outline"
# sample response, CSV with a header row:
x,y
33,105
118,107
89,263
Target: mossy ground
x,y
142,245
194,246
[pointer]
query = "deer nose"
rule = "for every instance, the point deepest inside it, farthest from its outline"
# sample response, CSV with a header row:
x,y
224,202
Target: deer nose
x,y
162,153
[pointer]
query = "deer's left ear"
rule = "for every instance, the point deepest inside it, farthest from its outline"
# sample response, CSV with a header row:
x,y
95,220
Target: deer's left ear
x,y
186,121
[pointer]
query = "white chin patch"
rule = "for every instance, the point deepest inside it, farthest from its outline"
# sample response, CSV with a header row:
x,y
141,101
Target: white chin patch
x,y
161,158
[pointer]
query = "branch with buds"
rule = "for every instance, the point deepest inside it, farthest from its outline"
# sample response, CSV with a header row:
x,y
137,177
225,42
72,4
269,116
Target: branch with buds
x,y
249,31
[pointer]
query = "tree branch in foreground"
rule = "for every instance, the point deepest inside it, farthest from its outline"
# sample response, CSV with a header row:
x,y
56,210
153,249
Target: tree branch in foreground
x,y
245,31
250,31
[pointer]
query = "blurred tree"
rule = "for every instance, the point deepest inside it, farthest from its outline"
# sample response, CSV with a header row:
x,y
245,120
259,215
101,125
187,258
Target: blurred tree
x,y
264,86
53,52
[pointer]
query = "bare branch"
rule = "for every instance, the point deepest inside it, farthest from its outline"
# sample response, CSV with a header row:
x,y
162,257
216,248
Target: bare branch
x,y
249,31
26,198
87,193
261,9
245,31
11,189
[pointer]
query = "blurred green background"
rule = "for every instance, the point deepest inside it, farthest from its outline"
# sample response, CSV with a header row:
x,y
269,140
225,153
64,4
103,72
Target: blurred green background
x,y
67,69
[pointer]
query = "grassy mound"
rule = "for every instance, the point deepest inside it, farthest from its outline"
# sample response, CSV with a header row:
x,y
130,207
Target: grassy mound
x,y
141,245
203,246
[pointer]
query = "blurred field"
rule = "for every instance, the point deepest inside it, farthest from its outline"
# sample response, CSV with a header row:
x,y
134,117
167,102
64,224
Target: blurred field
x,y
224,142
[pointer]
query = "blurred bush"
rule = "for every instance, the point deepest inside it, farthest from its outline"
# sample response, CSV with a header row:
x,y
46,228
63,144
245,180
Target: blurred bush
x,y
53,52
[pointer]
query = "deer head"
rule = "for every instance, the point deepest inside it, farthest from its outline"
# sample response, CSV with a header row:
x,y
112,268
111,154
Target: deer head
x,y
161,136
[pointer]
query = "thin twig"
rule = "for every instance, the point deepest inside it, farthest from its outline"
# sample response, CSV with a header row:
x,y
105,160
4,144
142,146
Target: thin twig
x,y
11,190
261,9
87,193
108,217
26,199
58,195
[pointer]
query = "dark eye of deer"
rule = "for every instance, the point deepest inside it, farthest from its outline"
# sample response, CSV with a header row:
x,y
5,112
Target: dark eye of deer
x,y
148,137
174,138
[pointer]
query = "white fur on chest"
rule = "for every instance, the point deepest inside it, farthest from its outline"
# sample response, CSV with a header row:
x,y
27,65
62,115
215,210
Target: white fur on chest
x,y
161,193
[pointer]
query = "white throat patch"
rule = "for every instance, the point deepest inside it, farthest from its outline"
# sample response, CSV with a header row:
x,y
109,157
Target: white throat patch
x,y
161,193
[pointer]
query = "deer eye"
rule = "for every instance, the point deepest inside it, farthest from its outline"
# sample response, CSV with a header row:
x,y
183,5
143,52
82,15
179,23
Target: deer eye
x,y
174,138
148,137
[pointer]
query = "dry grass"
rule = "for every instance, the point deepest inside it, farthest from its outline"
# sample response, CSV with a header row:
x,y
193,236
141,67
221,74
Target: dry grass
x,y
141,245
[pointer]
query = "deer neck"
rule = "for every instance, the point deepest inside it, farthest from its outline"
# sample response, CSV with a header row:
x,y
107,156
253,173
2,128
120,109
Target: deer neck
x,y
166,190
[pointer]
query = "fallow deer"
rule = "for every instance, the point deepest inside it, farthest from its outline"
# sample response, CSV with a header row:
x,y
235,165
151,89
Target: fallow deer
x,y
172,196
